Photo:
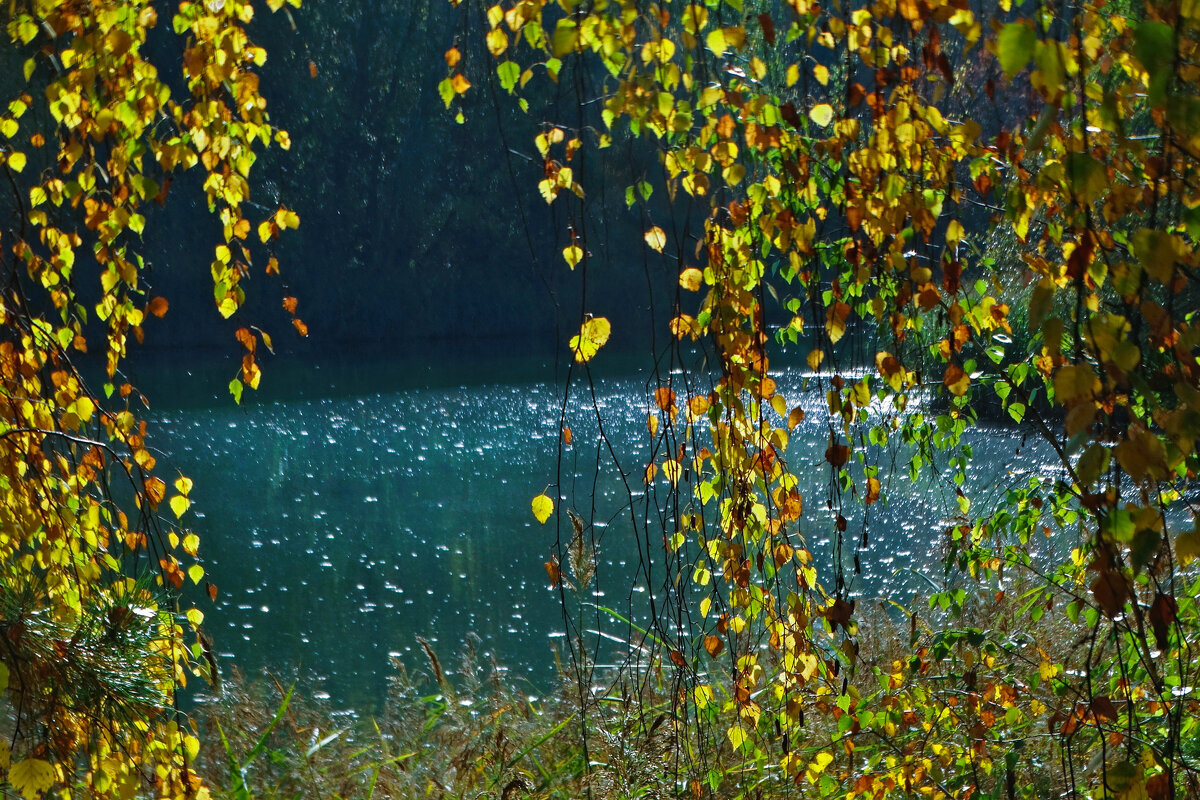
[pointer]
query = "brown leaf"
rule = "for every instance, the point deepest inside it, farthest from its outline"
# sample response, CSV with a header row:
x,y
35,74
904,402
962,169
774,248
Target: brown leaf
x,y
1111,590
956,380
1104,709
837,454
1162,614
840,613
768,27
714,645
553,572
1158,787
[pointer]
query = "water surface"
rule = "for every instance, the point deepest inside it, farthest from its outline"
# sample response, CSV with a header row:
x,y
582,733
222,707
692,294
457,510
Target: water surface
x,y
340,523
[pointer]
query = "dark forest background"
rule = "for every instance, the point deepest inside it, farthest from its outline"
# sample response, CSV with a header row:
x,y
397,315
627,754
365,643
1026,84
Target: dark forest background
x,y
416,231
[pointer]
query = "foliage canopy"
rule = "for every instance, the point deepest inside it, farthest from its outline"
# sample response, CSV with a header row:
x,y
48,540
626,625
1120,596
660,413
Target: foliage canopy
x,y
963,214
103,109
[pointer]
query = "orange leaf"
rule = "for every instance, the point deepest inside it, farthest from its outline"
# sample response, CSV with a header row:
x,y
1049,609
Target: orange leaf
x,y
158,307
289,304
553,572
156,489
247,339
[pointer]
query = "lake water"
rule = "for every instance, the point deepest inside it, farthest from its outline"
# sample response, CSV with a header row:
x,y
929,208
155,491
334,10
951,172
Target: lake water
x,y
356,508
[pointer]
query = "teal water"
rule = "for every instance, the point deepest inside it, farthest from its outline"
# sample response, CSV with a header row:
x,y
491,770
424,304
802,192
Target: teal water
x,y
350,508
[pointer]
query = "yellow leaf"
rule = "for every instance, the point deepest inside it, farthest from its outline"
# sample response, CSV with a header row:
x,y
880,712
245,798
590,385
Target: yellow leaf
x,y
180,505
656,238
195,615
835,320
542,507
821,73
592,336
715,41
31,777
821,114
573,255
16,161
793,74
287,219
183,485
191,544
954,233
196,573
690,279
818,766
1075,381
672,470
737,735
1187,545
497,41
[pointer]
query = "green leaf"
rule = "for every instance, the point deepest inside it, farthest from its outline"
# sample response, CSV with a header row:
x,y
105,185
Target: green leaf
x,y
509,73
446,90
566,35
1014,47
1154,46
235,389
